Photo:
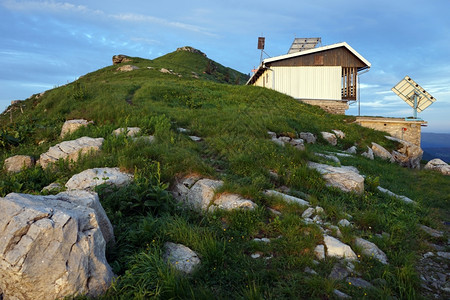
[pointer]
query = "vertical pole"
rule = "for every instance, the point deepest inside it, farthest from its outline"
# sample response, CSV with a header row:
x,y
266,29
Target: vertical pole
x,y
415,105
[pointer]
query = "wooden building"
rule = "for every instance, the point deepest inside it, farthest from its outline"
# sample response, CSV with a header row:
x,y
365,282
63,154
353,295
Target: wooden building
x,y
324,76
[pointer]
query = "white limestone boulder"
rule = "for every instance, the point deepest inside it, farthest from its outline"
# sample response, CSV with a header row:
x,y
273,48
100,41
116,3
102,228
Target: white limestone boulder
x,y
438,165
401,197
127,68
70,150
344,178
71,126
17,163
368,154
329,137
381,152
181,257
339,133
308,137
285,197
129,131
371,250
90,178
336,248
52,247
227,201
409,155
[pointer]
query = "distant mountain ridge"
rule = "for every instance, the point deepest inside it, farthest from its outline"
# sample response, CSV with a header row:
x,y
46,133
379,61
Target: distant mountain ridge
x,y
436,145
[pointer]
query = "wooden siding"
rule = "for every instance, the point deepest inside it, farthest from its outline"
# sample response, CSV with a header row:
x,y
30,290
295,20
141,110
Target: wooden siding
x,y
333,57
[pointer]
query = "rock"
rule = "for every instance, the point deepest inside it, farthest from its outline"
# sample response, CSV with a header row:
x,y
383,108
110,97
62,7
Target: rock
x,y
197,193
380,152
403,198
358,282
341,177
90,178
181,257
336,248
272,134
191,49
329,137
340,154
338,231
195,138
308,137
117,59
70,150
309,271
319,251
432,232
442,254
298,143
370,249
127,68
341,295
329,157
351,150
129,131
339,133
145,138
285,197
277,141
274,211
338,272
71,126
182,130
308,212
255,255
319,210
284,139
438,165
227,201
164,70
368,153
344,223
16,163
317,219
52,247
54,186
411,154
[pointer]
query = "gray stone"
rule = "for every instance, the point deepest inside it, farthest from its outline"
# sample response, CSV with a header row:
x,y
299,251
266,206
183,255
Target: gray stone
x,y
308,212
277,141
432,232
16,163
70,150
351,150
117,59
255,255
336,248
285,197
226,201
438,165
145,138
409,155
52,247
127,68
442,254
196,193
381,152
330,138
308,137
403,198
368,154
341,295
182,130
319,251
90,178
341,177
358,282
181,257
371,250
54,186
195,138
309,271
329,157
339,133
344,223
129,131
338,272
71,126
272,134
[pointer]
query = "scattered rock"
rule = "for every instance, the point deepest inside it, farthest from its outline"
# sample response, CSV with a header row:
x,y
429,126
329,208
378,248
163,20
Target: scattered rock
x,y
368,153
272,134
182,130
52,247
255,255
310,271
432,232
344,223
129,131
339,133
371,250
358,282
339,272
438,165
191,49
274,211
90,178
263,240
409,155
329,157
381,152
117,59
165,71
308,212
329,137
71,126
338,249
144,138
17,163
403,198
127,68
52,187
181,257
228,201
319,251
351,150
341,295
195,138
445,255
308,137
343,178
70,150
285,197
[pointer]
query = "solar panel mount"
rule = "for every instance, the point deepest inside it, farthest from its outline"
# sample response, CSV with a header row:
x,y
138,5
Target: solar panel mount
x,y
302,44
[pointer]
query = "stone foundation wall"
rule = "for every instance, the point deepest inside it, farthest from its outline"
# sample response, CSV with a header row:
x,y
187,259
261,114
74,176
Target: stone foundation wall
x,y
400,128
336,107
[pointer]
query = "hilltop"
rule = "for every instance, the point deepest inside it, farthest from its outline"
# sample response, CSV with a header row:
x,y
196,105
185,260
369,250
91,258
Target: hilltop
x,y
199,122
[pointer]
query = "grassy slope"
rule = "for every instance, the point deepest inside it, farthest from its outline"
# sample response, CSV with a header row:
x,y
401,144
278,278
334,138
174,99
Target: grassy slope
x,y
233,120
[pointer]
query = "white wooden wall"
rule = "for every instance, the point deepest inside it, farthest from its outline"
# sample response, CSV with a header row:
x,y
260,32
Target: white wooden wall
x,y
304,82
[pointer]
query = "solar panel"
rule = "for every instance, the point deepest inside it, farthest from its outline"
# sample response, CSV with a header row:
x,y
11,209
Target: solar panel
x,y
413,94
302,44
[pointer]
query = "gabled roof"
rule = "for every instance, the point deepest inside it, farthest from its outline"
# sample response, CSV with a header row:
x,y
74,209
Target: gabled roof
x,y
306,52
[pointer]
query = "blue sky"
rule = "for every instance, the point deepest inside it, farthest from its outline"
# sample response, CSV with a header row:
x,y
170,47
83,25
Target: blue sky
x,y
44,44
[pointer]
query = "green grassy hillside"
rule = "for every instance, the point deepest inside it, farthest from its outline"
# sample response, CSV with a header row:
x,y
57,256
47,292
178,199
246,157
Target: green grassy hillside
x,y
210,100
